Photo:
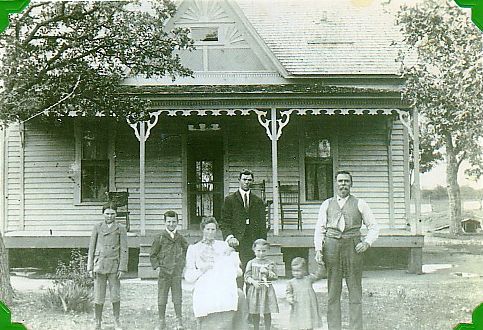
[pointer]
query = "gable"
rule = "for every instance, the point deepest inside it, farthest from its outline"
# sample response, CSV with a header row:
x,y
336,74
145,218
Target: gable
x,y
223,41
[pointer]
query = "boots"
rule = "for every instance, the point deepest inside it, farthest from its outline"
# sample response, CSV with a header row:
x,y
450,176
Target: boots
x,y
116,309
98,315
179,323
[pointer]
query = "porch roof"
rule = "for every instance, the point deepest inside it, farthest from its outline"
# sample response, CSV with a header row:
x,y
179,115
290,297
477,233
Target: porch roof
x,y
285,89
287,96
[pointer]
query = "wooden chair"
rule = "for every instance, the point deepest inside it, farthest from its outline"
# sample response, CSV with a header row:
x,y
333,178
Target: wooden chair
x,y
121,200
289,199
259,189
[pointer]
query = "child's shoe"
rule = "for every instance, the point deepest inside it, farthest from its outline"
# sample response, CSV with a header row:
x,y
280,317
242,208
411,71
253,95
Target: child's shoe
x,y
117,324
162,325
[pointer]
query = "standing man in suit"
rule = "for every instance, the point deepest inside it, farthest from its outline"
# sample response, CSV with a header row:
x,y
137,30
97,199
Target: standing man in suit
x,y
339,245
107,262
243,218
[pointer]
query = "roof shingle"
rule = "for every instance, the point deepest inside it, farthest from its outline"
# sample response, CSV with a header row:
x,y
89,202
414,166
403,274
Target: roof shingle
x,y
314,37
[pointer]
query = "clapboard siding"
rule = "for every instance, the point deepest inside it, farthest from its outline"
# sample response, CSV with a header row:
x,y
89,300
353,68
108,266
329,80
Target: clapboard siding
x,y
364,152
12,179
163,181
49,180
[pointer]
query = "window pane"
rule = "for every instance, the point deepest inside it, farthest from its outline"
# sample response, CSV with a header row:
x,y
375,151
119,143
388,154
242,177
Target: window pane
x,y
318,180
95,180
94,163
94,145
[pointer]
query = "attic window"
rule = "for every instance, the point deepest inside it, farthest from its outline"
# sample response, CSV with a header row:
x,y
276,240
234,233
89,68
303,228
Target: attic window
x,y
204,33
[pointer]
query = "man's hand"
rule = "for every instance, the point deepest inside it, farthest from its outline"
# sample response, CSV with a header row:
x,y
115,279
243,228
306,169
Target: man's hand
x,y
233,242
92,274
291,300
120,274
319,257
362,247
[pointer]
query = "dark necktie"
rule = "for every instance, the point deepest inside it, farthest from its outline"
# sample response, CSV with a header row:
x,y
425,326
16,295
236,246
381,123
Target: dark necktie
x,y
245,201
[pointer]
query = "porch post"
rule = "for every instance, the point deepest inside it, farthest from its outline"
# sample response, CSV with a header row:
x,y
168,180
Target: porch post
x,y
142,178
274,139
417,189
142,130
3,218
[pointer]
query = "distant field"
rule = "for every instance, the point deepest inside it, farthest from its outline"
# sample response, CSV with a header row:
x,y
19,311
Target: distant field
x,y
438,216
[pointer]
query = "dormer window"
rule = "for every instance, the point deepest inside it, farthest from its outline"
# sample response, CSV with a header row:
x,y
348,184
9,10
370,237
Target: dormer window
x,y
204,34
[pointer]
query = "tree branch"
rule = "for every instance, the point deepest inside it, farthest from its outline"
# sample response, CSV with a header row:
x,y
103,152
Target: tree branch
x,y
463,157
56,103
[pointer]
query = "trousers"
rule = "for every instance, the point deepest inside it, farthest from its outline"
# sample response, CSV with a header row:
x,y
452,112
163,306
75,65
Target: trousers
x,y
100,285
342,261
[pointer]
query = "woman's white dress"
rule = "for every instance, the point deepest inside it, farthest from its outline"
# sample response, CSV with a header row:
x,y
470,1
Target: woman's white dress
x,y
215,290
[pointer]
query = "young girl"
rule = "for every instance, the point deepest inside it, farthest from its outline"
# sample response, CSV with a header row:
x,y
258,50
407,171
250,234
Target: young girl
x,y
259,273
304,312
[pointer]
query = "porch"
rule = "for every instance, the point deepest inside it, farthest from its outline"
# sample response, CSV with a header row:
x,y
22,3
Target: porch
x,y
289,238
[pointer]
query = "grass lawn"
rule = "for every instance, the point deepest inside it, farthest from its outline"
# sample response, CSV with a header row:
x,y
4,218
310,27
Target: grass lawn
x,y
392,300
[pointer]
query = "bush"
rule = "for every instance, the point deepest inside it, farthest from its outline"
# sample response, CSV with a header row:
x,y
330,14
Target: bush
x,y
72,290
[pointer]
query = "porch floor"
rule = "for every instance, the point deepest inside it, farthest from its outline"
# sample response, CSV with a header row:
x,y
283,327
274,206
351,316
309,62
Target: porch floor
x,y
286,238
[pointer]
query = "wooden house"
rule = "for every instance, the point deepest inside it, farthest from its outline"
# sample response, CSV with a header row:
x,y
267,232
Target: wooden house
x,y
293,90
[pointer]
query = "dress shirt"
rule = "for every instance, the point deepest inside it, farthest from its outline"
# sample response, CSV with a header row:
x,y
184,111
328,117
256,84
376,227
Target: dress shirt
x,y
367,218
171,233
244,193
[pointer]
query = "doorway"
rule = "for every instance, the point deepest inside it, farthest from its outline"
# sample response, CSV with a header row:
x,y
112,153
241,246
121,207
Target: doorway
x,y
205,176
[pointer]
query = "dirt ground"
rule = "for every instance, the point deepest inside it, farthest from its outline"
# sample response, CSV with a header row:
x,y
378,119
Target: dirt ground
x,y
392,299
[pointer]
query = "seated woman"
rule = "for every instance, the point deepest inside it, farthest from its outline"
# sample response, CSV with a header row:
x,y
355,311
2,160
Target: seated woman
x,y
214,266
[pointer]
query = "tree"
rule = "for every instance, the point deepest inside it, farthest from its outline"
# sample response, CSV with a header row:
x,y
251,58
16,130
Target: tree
x,y
445,85
65,57
73,56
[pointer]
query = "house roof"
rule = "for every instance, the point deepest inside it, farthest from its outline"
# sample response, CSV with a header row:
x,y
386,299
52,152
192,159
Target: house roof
x,y
325,37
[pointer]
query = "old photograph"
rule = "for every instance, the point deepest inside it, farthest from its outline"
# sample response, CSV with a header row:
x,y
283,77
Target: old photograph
x,y
241,164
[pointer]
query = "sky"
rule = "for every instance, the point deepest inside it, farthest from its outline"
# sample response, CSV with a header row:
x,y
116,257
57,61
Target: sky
x,y
437,177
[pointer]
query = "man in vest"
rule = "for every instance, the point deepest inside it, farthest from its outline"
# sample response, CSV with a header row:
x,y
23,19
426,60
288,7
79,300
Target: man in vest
x,y
338,244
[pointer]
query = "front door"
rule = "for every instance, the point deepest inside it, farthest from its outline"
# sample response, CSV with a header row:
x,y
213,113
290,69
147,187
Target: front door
x,y
205,176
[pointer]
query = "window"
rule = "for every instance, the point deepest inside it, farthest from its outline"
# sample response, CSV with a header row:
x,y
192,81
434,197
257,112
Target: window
x,y
204,33
94,164
318,169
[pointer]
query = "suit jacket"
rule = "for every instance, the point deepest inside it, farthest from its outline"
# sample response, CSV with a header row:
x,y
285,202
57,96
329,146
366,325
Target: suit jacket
x,y
108,251
234,216
169,254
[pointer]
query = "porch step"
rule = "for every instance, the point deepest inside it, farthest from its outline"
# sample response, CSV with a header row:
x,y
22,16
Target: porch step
x,y
275,254
145,271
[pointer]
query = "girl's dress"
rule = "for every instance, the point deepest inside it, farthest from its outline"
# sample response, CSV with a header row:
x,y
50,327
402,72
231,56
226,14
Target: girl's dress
x,y
304,313
262,300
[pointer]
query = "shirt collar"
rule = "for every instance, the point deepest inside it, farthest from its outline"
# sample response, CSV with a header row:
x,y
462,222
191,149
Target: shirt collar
x,y
171,233
342,198
243,192
208,241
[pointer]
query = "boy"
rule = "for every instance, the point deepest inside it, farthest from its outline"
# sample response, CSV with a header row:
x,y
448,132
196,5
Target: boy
x,y
107,262
168,252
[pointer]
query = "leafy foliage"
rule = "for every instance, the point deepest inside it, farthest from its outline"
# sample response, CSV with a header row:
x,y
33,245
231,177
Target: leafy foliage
x,y
72,290
446,81
73,56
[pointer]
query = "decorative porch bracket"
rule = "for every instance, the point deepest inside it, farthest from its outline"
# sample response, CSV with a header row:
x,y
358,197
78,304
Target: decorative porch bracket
x,y
142,130
405,119
267,123
148,125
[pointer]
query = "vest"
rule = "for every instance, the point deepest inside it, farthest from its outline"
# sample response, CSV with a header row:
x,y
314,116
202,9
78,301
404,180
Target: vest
x,y
352,217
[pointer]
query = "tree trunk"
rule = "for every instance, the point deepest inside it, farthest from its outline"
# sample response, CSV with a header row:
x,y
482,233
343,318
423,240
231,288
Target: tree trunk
x,y
453,188
6,291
